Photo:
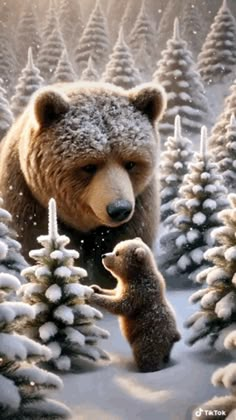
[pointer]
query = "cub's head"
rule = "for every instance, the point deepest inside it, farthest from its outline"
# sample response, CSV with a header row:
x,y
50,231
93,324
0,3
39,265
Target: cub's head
x,y
93,147
128,259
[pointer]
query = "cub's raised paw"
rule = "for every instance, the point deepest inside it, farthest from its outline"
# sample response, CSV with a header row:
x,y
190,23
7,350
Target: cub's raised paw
x,y
96,288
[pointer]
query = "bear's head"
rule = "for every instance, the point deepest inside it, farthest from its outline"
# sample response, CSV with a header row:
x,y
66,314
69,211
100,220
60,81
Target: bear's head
x,y
93,147
129,260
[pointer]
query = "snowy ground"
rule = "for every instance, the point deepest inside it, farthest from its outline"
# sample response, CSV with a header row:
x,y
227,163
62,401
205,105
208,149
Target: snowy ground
x,y
118,391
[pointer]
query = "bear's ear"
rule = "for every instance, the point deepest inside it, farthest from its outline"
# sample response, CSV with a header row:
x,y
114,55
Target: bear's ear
x,y
48,106
140,254
149,98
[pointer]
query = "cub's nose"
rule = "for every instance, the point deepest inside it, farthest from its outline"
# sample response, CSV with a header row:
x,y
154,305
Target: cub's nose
x,y
119,210
103,256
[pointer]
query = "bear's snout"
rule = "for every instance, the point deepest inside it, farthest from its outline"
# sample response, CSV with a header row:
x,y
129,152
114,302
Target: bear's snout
x,y
108,260
119,210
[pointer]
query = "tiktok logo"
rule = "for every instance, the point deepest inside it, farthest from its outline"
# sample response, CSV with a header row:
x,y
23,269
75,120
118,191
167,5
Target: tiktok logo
x,y
209,413
199,412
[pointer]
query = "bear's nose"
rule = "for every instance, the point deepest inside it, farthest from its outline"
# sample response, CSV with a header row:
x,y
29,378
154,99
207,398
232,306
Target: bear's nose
x,y
119,210
103,256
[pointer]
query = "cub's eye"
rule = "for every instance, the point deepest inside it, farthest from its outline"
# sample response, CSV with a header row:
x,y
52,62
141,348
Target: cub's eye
x,y
89,169
130,165
117,254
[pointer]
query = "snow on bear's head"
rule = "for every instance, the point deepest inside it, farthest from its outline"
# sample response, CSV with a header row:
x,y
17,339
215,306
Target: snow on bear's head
x,y
93,147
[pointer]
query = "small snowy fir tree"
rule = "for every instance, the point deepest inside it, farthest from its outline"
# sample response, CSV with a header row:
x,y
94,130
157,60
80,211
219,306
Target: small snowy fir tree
x,y
218,54
29,82
201,197
227,158
28,33
173,167
89,74
64,71
224,377
50,53
6,116
185,91
51,21
23,386
192,27
218,134
63,321
143,33
94,41
11,260
120,69
217,314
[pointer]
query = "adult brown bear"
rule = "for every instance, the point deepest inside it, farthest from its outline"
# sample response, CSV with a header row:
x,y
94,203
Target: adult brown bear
x,y
94,148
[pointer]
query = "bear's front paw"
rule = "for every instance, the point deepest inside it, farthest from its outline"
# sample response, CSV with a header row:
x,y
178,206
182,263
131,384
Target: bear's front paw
x,y
96,288
93,298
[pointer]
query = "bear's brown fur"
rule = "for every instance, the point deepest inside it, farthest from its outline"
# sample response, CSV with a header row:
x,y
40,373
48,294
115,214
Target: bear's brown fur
x,y
93,147
146,319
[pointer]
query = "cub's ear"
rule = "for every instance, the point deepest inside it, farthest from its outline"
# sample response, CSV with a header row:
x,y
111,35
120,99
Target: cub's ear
x,y
49,104
140,254
150,99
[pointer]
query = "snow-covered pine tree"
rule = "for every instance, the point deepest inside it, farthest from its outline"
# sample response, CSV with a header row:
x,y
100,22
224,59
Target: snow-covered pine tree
x,y
218,133
185,91
174,165
64,71
28,34
201,197
216,316
50,53
143,33
94,41
29,81
11,259
120,69
6,116
51,21
218,55
23,386
227,156
192,27
63,321
90,74
223,377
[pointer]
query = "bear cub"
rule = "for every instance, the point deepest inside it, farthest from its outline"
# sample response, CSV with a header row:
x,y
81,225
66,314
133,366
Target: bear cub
x,y
146,319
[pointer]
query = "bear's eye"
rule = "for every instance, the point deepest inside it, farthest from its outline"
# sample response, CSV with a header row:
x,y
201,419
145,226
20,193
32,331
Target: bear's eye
x,y
130,165
117,253
89,169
